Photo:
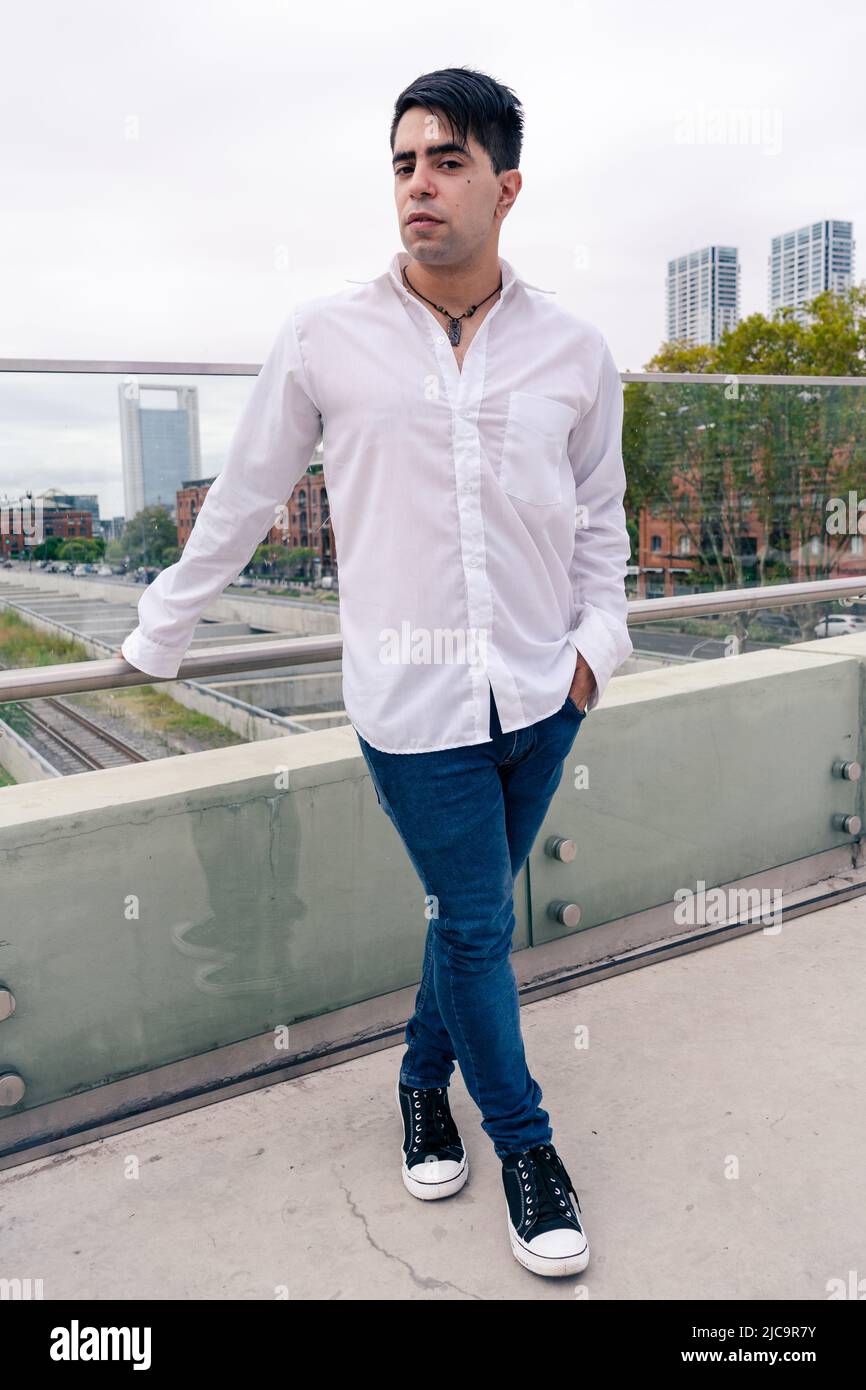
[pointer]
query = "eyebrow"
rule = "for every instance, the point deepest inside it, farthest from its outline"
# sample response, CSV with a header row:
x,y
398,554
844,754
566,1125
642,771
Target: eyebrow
x,y
432,150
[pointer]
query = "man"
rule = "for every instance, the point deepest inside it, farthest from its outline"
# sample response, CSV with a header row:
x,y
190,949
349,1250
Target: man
x,y
472,455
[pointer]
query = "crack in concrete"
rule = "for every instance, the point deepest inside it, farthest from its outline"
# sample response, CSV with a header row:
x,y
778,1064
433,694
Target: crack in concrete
x,y
419,1280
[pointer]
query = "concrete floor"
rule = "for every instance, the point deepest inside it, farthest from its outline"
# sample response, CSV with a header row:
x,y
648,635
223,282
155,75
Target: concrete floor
x,y
715,1127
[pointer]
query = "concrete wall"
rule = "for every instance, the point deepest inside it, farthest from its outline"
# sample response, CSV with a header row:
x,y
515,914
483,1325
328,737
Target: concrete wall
x,y
171,908
22,762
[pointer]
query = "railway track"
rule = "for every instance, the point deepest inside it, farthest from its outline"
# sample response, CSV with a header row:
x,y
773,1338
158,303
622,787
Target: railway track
x,y
70,741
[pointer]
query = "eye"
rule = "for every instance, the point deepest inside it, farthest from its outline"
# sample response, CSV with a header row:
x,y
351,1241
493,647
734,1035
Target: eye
x,y
407,168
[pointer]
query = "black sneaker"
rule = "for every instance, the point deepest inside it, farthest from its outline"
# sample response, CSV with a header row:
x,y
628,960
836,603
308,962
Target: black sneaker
x,y
434,1159
546,1235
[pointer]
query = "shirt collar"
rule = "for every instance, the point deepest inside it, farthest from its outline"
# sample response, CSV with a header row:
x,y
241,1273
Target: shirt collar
x,y
394,275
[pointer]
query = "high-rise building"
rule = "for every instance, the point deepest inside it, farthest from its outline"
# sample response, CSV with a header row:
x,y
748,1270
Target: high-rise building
x,y
160,446
808,261
703,295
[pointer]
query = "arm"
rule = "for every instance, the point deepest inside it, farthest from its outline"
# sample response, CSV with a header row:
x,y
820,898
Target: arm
x,y
270,450
601,542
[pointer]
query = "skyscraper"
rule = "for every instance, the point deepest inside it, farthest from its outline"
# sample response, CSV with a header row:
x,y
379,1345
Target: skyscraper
x,y
160,447
703,295
809,260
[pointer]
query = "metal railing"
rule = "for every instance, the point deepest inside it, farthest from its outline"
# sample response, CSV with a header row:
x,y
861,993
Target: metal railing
x,y
35,681
62,365
101,366
749,378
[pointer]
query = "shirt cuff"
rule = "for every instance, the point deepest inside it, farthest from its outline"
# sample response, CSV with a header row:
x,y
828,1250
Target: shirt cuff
x,y
601,650
149,657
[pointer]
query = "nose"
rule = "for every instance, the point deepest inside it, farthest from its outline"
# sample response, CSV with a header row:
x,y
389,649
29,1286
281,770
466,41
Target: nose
x,y
420,182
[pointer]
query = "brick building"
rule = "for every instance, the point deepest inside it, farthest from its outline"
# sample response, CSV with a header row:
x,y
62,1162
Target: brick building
x,y
305,522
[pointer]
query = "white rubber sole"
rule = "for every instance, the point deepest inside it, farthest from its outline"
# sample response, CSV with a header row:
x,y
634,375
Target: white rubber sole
x,y
554,1266
431,1191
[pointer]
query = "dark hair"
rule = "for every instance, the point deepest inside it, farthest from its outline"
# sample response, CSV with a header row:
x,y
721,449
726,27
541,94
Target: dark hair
x,y
473,103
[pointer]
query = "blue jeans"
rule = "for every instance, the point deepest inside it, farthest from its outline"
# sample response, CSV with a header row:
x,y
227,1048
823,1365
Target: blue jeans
x,y
468,818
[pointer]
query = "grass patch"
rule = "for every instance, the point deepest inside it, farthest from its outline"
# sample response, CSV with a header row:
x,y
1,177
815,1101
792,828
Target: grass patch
x,y
146,708
143,707
22,645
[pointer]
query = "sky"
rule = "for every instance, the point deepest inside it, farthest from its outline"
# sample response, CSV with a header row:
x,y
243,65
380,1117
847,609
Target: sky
x,y
174,177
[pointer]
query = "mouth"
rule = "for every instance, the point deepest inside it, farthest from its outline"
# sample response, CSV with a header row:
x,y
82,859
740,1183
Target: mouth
x,y
422,220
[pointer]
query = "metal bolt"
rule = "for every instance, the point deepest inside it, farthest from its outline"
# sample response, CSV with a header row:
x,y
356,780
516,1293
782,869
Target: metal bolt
x,y
560,848
567,914
852,771
12,1088
7,1002
849,824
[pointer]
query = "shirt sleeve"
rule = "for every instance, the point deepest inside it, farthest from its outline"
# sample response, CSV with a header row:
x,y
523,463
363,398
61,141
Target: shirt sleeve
x,y
269,452
601,542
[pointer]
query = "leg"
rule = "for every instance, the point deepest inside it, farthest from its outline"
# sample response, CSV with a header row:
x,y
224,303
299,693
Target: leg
x,y
449,810
528,786
430,1056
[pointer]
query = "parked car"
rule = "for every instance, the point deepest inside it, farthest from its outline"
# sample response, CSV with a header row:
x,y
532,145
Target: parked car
x,y
79,570
779,621
838,624
243,581
105,570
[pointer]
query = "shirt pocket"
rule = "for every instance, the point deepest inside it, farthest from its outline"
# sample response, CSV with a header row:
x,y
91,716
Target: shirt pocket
x,y
535,444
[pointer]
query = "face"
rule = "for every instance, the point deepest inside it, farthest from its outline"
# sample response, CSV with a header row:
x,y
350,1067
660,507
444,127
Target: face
x,y
455,186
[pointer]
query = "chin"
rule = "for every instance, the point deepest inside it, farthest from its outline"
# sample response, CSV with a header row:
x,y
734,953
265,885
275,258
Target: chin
x,y
422,250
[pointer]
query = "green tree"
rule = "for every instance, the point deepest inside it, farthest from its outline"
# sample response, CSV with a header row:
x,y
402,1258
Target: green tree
x,y
149,536
712,456
80,550
49,549
827,339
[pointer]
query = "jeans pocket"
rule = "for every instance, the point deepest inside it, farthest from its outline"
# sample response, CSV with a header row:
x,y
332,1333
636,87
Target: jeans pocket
x,y
380,795
370,771
581,713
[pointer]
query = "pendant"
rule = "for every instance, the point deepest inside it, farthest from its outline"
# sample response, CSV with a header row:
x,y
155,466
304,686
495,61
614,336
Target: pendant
x,y
454,327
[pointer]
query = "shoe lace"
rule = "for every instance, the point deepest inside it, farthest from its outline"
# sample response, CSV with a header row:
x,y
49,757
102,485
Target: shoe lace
x,y
433,1124
546,1185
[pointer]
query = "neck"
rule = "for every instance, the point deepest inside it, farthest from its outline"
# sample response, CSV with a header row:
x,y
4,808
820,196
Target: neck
x,y
457,285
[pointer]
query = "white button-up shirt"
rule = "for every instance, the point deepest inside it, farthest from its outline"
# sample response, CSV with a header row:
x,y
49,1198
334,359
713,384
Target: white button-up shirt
x,y
477,513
